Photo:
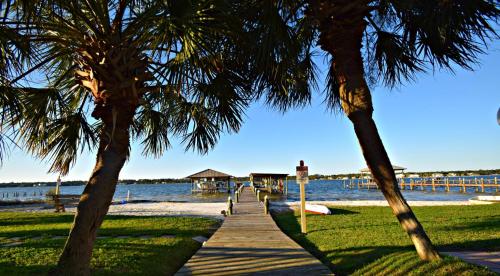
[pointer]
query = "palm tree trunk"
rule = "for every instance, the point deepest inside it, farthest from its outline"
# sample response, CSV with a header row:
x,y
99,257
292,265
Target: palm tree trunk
x,y
98,193
344,44
380,166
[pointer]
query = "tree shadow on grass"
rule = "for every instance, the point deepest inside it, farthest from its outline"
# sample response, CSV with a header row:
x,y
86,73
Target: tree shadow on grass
x,y
117,231
486,245
338,211
62,225
7,268
387,260
492,222
110,256
37,220
47,218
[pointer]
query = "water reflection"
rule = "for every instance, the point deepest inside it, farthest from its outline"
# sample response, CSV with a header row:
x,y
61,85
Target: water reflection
x,y
321,190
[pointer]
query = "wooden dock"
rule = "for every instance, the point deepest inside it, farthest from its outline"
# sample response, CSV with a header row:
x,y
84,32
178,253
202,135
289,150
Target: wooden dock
x,y
463,185
250,242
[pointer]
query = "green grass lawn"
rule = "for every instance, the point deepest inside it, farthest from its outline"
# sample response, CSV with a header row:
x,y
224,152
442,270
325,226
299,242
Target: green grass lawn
x,y
132,255
369,240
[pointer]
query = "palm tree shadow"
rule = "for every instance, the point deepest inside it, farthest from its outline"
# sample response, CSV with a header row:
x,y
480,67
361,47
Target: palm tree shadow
x,y
338,211
344,261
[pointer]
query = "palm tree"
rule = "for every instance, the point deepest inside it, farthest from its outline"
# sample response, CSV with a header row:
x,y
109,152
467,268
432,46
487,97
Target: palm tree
x,y
100,73
13,50
367,41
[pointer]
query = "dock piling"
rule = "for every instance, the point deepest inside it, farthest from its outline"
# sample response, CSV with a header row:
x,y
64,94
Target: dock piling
x,y
266,205
229,206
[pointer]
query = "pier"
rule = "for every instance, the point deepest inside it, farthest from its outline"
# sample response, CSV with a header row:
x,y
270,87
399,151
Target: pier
x,y
250,242
210,181
445,184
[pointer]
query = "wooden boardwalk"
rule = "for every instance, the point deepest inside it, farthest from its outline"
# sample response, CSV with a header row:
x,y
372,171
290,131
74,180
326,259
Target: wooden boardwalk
x,y
483,258
250,242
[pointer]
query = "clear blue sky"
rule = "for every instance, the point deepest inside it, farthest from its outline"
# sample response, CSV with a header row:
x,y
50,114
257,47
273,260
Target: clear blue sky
x,y
442,121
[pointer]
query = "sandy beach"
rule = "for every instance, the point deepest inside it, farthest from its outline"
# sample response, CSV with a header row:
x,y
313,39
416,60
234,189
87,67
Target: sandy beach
x,y
214,209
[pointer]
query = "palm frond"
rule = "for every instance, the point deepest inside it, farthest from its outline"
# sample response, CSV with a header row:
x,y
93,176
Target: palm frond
x,y
444,33
394,59
279,43
332,90
155,127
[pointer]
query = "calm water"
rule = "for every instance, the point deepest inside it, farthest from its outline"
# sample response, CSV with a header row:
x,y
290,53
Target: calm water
x,y
321,190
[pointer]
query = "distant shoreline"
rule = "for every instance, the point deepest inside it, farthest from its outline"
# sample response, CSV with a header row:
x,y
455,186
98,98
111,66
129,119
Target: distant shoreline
x,y
469,173
81,183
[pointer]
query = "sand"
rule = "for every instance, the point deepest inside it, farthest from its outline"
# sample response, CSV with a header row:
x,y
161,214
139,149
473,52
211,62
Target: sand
x,y
214,209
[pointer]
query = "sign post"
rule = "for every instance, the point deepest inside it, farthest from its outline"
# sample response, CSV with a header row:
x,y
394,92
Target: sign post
x,y
302,179
58,185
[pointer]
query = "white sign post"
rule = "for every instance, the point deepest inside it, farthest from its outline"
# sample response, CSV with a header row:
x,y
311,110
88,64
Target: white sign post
x,y
58,185
302,176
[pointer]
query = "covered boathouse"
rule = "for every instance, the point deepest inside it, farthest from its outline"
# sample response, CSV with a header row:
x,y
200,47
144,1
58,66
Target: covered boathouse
x,y
210,181
270,182
399,171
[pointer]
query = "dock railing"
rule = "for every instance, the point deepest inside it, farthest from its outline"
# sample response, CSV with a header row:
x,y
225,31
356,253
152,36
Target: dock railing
x,y
446,184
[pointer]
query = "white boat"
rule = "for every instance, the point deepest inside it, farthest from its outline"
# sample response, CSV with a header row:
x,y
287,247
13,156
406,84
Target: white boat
x,y
486,198
317,209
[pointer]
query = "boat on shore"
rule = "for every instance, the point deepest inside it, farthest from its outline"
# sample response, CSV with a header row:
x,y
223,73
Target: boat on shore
x,y
317,209
489,199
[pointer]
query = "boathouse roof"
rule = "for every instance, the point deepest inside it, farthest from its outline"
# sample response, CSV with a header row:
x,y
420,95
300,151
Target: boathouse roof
x,y
269,174
209,173
396,168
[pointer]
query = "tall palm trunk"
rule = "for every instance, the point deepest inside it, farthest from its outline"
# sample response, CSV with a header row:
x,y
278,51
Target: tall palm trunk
x,y
98,194
343,42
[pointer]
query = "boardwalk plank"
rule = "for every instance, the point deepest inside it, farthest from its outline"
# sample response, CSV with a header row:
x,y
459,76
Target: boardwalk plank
x,y
250,243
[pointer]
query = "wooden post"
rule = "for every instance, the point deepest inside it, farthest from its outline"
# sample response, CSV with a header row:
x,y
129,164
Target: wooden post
x,y
303,222
482,185
266,205
236,197
433,185
422,184
286,185
402,184
302,173
447,184
258,195
58,185
229,206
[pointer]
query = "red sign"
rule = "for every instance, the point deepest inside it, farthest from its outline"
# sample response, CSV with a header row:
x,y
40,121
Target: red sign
x,y
302,173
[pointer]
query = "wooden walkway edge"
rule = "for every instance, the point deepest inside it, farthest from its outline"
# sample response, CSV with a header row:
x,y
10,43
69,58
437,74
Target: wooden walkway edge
x,y
250,242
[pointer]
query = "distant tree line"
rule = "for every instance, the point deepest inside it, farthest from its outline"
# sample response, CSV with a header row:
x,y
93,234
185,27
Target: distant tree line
x,y
81,182
52,183
422,174
458,173
154,181
245,178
